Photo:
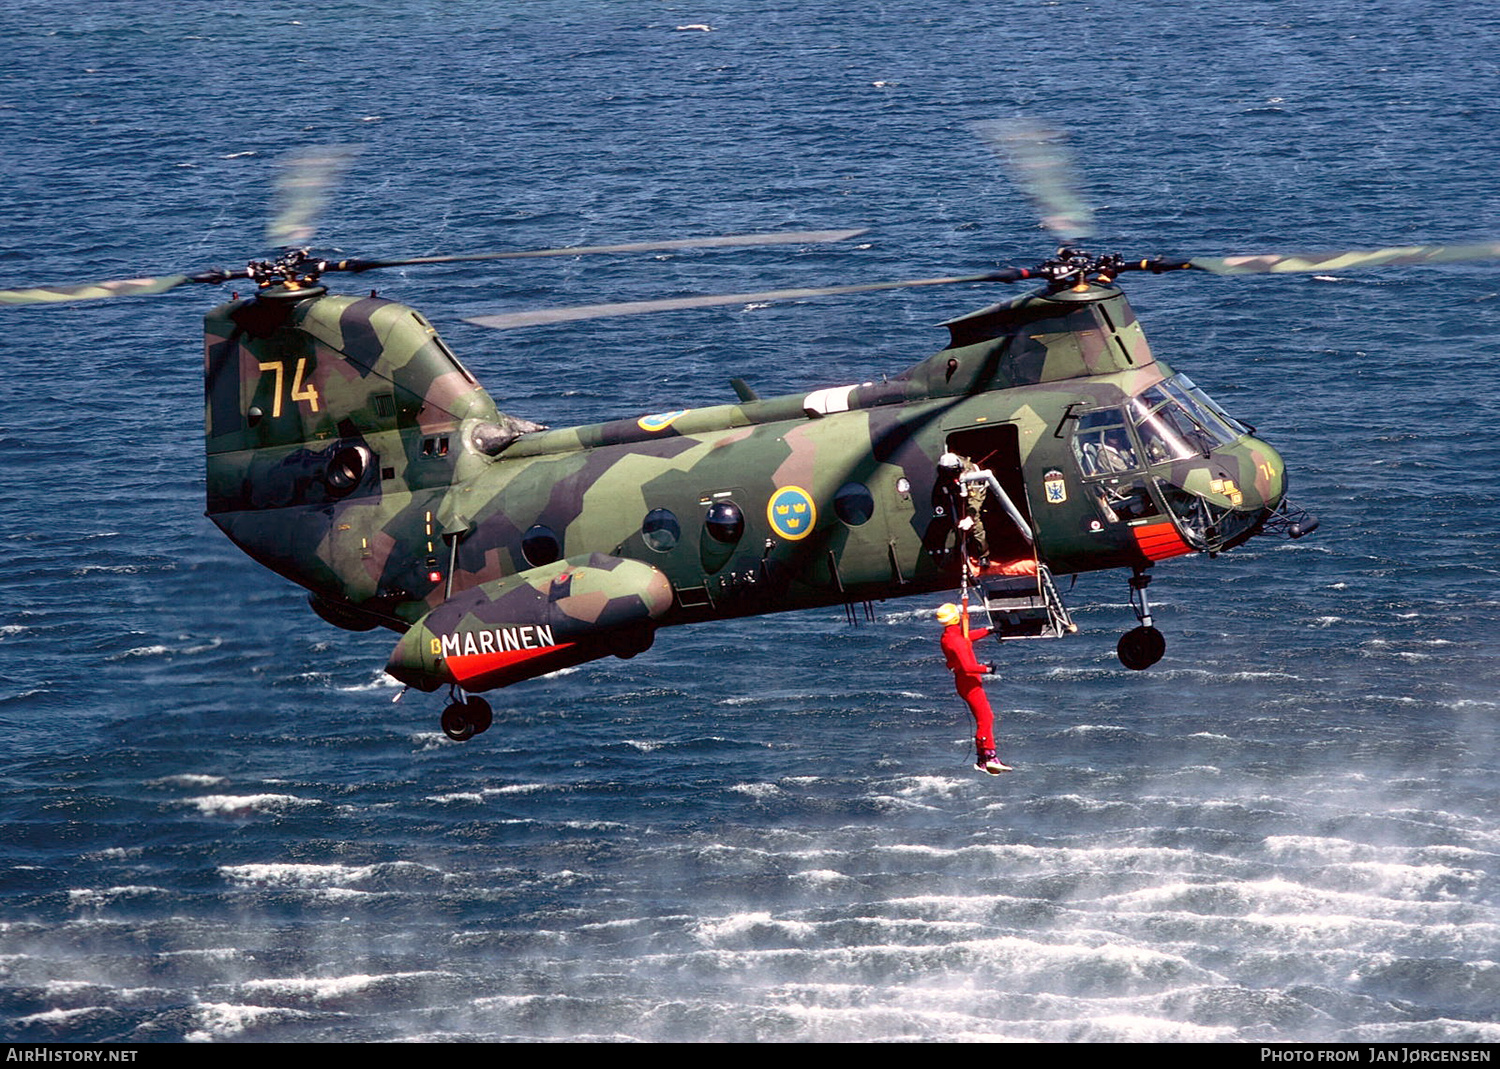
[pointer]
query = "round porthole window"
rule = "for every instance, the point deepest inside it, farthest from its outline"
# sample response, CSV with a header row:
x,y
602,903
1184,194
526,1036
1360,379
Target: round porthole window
x,y
725,522
540,546
854,504
660,530
346,469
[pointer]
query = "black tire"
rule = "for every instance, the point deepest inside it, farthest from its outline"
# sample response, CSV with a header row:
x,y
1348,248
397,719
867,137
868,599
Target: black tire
x,y
1140,648
477,711
456,723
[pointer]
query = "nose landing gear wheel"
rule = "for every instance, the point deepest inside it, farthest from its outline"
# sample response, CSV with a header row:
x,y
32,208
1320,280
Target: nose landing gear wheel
x,y
1141,647
462,720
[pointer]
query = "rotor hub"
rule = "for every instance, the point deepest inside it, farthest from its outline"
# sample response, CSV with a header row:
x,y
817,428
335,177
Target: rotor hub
x,y
294,272
1074,267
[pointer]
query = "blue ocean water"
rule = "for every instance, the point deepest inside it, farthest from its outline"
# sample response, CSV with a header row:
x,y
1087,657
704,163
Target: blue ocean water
x,y
215,825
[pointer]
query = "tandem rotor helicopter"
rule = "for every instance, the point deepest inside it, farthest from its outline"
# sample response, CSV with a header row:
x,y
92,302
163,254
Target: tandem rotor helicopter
x,y
350,451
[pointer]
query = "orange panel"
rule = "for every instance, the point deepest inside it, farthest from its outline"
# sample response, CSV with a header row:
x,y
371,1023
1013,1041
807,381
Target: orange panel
x,y
1158,541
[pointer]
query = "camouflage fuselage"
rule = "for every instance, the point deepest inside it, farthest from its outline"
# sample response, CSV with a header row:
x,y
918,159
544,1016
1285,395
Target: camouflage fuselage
x,y
350,451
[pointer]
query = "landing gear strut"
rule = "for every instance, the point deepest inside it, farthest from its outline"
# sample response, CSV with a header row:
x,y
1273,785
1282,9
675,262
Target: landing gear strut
x,y
1142,646
466,716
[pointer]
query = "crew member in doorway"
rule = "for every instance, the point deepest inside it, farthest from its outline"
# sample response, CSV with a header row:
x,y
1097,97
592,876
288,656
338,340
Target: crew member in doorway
x,y
962,503
968,675
959,496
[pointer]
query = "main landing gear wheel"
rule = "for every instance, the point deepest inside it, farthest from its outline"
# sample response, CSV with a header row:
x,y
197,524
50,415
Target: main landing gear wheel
x,y
1141,647
462,720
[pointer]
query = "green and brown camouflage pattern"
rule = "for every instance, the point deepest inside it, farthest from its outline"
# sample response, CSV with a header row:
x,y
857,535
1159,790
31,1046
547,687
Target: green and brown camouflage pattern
x,y
536,621
350,451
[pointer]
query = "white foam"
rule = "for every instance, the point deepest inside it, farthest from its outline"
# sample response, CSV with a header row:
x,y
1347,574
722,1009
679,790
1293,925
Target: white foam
x,y
93,897
736,926
55,988
378,681
219,805
484,794
1137,1028
217,954
757,790
224,1020
1432,1030
308,876
54,1018
187,779
140,651
322,988
941,786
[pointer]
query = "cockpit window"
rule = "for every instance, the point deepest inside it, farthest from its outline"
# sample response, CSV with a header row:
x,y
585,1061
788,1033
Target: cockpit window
x,y
1175,420
1167,432
1183,387
1102,444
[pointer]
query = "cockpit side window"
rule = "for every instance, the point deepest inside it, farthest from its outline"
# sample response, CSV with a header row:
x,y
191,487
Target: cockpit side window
x,y
1111,463
1102,444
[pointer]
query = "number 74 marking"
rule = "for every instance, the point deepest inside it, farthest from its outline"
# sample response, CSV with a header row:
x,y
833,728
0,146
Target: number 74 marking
x,y
300,391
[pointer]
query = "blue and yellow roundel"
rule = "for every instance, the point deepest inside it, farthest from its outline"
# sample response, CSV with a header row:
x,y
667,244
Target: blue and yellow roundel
x,y
791,512
659,421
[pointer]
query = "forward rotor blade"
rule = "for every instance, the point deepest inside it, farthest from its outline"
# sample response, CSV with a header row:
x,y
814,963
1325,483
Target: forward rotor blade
x,y
1352,259
542,316
88,291
1038,159
302,190
802,237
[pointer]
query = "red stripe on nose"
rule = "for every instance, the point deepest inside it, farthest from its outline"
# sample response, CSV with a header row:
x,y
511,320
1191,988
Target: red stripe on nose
x,y
1158,541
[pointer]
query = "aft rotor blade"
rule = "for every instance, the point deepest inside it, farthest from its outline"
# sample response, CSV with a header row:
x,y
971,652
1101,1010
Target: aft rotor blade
x,y
802,237
542,316
87,291
302,190
1038,159
1347,260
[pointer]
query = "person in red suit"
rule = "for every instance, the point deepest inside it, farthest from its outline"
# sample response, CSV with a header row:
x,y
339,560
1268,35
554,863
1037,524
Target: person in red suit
x,y
968,674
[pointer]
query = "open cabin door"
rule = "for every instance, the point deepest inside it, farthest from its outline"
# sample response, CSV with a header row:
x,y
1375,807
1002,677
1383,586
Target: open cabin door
x,y
1019,596
998,449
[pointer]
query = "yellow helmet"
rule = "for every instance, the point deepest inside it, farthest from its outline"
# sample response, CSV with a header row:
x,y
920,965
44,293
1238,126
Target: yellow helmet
x,y
948,614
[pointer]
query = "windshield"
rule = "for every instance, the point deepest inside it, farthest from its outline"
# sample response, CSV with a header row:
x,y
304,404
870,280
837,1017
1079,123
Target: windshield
x,y
1175,420
1203,407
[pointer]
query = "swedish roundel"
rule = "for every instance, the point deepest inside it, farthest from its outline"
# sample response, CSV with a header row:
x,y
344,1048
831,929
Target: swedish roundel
x,y
791,512
659,421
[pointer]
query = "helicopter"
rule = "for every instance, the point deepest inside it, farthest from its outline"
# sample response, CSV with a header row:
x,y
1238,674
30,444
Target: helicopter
x,y
349,450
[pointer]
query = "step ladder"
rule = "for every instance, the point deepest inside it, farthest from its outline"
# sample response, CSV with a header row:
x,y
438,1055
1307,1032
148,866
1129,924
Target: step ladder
x,y
1025,606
